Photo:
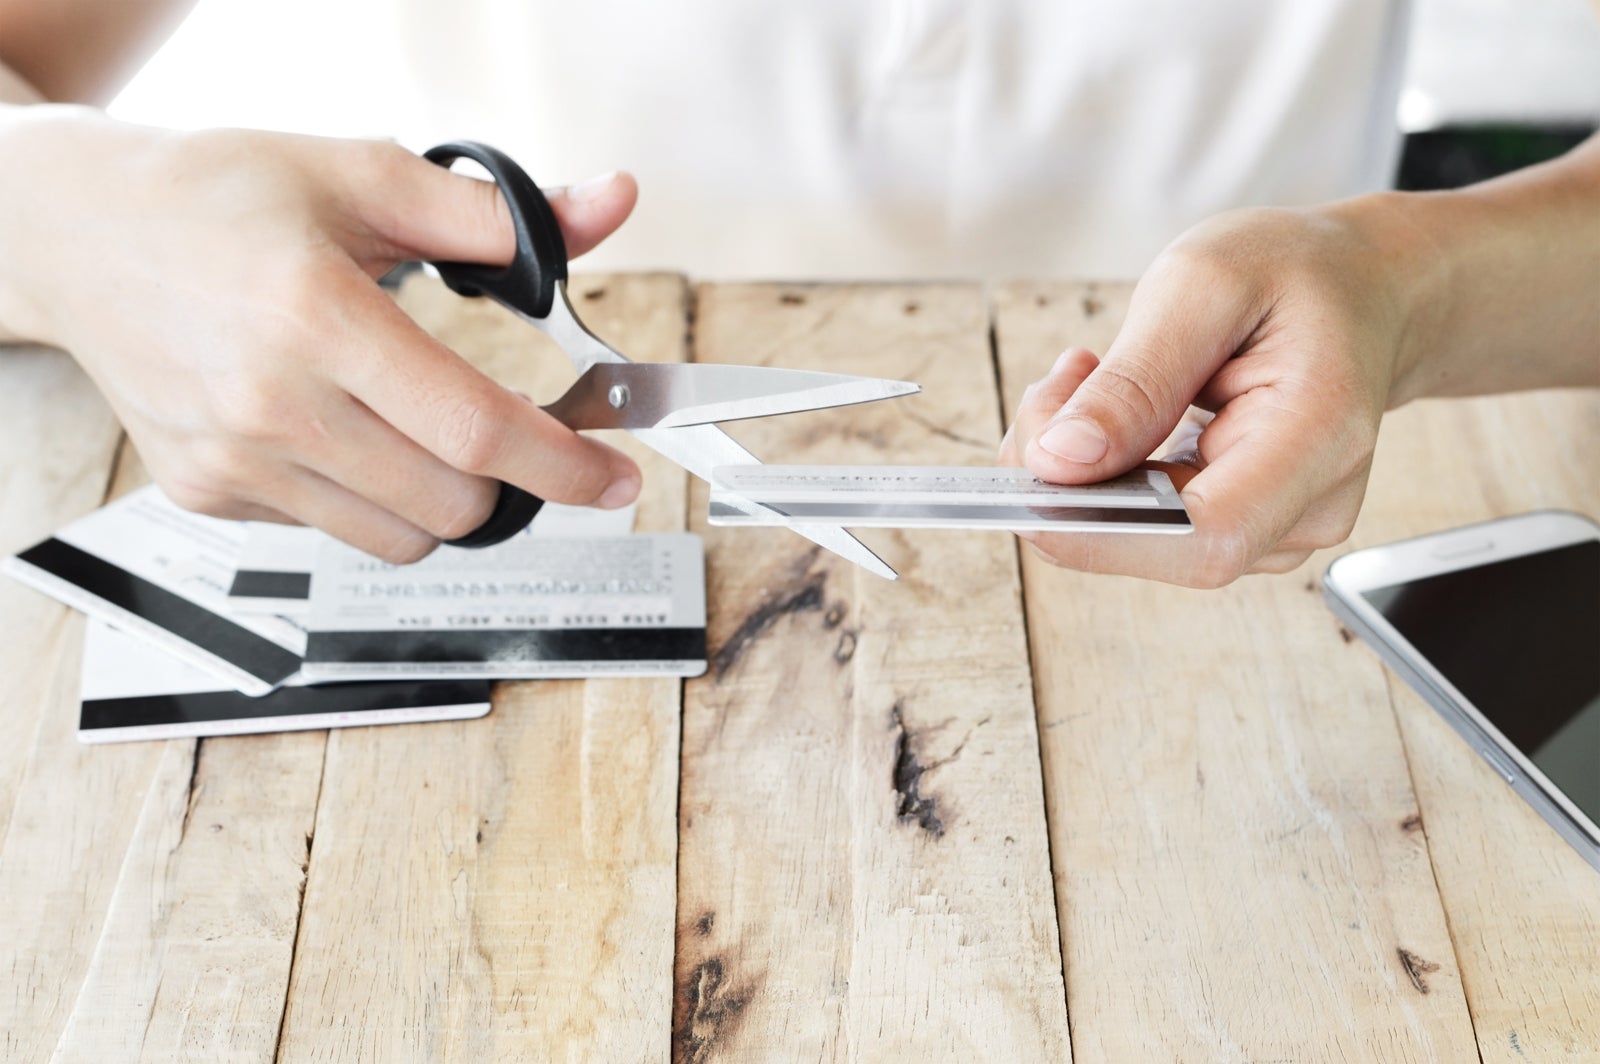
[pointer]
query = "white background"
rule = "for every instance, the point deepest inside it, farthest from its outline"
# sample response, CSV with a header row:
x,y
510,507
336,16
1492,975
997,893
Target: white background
x,y
336,67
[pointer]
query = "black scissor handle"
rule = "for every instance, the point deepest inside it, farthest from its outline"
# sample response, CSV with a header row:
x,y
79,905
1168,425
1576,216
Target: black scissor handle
x,y
528,284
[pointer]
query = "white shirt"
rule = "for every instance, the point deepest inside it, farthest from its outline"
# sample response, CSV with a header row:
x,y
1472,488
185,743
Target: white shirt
x,y
920,138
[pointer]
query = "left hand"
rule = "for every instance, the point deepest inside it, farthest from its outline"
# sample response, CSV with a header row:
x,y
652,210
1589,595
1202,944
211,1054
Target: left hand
x,y
1286,329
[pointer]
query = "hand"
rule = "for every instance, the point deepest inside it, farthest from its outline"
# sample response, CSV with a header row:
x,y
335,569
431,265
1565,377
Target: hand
x,y
1286,330
219,288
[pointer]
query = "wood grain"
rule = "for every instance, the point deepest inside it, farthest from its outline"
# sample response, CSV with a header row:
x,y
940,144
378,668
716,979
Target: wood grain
x,y
193,960
503,889
1524,909
1230,809
157,893
58,440
58,853
1247,861
863,871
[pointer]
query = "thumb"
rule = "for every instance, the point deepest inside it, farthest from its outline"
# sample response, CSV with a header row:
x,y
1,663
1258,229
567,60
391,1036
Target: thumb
x,y
1181,327
594,209
429,212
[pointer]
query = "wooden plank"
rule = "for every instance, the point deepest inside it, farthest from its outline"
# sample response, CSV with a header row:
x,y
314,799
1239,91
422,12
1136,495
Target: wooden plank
x,y
133,936
1231,818
863,871
503,889
193,959
58,440
57,444
159,890
1524,909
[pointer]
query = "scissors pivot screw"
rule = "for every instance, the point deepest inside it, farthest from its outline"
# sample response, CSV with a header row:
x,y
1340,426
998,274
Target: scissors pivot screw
x,y
618,396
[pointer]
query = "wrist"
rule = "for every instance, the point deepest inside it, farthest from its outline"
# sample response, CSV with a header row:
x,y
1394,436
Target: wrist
x,y
1413,270
44,139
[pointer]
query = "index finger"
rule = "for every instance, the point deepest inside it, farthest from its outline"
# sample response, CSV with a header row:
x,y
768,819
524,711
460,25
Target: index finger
x,y
435,397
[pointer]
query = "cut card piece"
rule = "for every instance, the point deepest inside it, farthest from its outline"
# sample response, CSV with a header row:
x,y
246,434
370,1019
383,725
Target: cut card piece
x,y
131,694
530,607
274,573
943,497
160,573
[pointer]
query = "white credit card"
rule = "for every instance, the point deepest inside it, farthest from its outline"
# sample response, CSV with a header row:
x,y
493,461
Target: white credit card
x,y
943,497
161,573
130,694
529,607
274,568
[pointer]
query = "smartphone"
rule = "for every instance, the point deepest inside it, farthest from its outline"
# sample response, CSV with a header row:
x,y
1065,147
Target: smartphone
x,y
1497,625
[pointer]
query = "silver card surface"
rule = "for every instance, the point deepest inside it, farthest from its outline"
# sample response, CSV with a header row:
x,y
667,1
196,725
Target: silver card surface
x,y
529,607
943,497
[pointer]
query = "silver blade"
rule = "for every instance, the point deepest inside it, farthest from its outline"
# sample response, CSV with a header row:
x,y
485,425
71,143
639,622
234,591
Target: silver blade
x,y
698,448
643,395
562,325
702,394
701,448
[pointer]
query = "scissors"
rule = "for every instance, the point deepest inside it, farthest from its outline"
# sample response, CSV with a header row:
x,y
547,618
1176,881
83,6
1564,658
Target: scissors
x,y
670,407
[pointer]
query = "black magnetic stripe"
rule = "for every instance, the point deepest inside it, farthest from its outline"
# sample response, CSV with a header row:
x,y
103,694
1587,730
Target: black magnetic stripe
x,y
206,706
237,645
552,644
1143,515
264,583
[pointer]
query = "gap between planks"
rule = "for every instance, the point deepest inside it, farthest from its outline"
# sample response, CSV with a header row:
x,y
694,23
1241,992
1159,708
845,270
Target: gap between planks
x,y
863,869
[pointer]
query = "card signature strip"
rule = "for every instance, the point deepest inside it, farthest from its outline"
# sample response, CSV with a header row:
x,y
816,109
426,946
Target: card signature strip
x,y
264,583
542,644
211,632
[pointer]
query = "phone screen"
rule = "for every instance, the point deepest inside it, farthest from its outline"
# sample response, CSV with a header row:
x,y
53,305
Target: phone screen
x,y
1520,638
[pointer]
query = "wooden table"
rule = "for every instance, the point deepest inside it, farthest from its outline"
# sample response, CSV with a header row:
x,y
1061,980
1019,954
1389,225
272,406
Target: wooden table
x,y
992,812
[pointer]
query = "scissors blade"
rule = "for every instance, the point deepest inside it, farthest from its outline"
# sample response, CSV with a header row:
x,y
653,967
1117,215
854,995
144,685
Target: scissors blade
x,y
698,448
701,393
701,448
643,395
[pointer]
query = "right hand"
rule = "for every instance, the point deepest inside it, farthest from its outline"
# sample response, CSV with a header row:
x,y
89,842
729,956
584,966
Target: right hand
x,y
219,288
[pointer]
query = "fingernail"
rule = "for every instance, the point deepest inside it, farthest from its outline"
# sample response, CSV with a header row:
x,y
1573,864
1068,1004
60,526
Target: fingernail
x,y
1061,362
592,188
1077,439
618,494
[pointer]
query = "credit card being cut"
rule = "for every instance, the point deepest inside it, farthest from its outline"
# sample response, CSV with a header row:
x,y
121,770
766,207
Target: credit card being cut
x,y
943,497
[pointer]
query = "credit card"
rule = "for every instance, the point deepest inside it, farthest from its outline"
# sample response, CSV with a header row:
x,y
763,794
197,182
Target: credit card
x,y
530,607
129,694
943,497
274,568
161,573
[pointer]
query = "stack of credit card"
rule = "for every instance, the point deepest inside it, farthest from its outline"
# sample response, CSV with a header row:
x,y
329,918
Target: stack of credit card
x,y
201,626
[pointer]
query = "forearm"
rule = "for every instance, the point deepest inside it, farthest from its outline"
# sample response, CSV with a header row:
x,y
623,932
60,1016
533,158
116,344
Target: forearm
x,y
1502,279
83,51
15,89
73,51
48,154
